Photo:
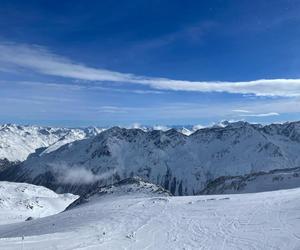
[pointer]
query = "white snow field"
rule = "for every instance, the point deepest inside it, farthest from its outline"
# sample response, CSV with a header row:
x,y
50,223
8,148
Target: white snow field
x,y
18,201
269,220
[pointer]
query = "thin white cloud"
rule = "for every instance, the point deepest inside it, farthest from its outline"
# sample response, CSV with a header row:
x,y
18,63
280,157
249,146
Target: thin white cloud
x,y
40,60
77,86
197,127
133,91
261,115
173,110
112,109
248,113
160,127
241,111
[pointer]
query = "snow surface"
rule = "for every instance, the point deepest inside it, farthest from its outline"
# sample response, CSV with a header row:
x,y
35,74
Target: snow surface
x,y
18,201
269,220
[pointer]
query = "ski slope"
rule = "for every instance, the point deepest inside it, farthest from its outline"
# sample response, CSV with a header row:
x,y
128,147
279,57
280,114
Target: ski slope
x,y
269,220
18,201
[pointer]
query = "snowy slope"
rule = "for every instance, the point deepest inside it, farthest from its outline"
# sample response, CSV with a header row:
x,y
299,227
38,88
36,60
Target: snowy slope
x,y
257,182
179,163
17,142
248,221
129,186
18,201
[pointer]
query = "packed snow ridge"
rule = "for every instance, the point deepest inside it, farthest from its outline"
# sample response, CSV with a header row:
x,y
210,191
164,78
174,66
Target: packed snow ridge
x,y
129,186
21,201
182,164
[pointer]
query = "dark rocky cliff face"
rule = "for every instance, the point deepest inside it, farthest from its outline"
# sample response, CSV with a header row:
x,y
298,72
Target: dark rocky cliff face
x,y
6,164
256,182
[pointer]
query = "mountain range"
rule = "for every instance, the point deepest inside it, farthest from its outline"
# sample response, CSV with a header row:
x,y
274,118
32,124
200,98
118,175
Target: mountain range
x,y
17,142
182,164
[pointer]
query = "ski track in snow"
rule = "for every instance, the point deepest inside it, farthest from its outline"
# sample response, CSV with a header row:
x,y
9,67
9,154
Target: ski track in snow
x,y
268,220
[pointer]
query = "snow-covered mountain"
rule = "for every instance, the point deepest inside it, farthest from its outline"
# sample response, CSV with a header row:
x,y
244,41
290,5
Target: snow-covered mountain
x,y
184,129
266,221
256,182
17,142
182,164
20,201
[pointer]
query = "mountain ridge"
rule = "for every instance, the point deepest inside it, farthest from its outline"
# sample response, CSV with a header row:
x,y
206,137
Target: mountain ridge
x,y
181,164
17,142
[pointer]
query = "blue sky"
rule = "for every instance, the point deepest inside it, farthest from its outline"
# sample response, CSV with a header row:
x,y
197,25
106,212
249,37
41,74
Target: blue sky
x,y
80,63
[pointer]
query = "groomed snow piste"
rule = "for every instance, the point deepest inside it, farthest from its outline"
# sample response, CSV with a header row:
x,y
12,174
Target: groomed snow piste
x,y
269,220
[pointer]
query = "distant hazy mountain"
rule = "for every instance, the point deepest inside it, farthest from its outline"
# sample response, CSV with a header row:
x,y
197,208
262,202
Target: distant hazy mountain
x,y
17,142
182,164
